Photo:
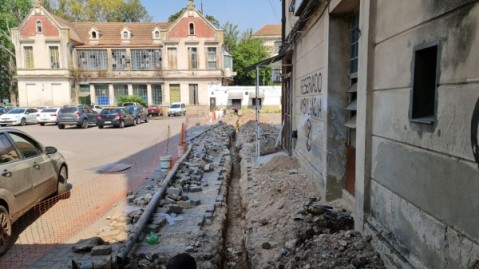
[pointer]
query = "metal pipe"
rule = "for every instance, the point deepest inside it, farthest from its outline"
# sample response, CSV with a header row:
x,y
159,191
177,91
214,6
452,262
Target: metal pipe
x,y
141,223
257,113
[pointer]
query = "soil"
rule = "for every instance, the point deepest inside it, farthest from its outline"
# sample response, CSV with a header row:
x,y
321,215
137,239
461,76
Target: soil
x,y
277,218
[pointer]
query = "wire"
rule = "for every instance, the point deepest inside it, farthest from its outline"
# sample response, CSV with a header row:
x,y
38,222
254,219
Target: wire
x,y
274,11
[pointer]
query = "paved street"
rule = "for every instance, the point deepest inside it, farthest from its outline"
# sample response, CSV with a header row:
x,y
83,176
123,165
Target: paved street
x,y
51,225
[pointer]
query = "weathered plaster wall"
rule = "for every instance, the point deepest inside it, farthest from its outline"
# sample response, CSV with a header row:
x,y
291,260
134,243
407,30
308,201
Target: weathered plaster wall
x,y
424,177
310,99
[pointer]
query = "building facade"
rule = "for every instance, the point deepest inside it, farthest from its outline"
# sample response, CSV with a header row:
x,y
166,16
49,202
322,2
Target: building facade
x,y
271,36
382,109
61,62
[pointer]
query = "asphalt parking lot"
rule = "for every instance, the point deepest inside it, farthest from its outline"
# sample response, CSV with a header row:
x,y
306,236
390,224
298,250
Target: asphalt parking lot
x,y
50,227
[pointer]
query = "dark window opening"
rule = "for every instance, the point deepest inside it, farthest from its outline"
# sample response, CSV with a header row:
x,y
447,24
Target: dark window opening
x,y
424,85
192,29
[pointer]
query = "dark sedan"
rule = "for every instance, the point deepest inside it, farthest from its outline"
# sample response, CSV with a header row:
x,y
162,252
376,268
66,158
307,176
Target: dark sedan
x,y
117,117
140,112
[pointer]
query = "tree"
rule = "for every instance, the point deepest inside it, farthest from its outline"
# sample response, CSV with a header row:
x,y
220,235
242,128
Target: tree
x,y
246,53
231,35
132,98
99,10
12,13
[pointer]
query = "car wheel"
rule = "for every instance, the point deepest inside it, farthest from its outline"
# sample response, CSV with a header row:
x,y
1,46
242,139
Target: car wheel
x,y
134,122
61,126
42,124
23,122
84,124
138,120
5,230
100,126
122,124
146,120
62,189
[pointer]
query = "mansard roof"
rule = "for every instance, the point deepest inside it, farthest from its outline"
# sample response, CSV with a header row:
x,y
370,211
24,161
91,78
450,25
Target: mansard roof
x,y
110,32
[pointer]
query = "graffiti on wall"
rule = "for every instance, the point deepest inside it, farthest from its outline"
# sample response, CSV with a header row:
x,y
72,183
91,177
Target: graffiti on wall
x,y
311,89
311,103
474,132
307,131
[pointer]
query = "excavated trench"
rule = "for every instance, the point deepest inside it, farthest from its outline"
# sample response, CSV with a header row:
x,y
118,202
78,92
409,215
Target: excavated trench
x,y
235,255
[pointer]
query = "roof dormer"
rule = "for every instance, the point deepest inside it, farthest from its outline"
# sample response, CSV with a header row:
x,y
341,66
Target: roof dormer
x,y
94,34
156,34
125,33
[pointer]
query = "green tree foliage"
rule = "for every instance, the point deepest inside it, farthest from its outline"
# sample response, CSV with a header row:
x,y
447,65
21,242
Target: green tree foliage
x,y
99,10
132,98
248,52
231,35
12,13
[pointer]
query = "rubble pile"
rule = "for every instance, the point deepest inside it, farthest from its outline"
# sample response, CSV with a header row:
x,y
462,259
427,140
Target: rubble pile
x,y
288,226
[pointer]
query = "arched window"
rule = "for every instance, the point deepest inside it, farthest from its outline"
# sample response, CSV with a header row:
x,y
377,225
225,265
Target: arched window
x,y
39,27
192,29
93,34
157,34
125,34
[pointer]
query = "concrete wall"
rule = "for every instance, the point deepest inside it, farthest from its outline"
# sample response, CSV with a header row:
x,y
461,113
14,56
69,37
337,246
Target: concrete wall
x,y
310,98
424,176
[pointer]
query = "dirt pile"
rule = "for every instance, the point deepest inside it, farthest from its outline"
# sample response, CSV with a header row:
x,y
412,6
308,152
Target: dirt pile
x,y
287,224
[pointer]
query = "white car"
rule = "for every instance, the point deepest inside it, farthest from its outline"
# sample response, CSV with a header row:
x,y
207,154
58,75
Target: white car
x,y
48,115
177,109
19,116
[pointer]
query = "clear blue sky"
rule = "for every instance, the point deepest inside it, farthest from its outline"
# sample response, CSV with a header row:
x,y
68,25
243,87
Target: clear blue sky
x,y
244,13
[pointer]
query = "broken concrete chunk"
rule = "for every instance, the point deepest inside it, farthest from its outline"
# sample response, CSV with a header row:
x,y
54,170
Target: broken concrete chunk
x,y
101,250
86,245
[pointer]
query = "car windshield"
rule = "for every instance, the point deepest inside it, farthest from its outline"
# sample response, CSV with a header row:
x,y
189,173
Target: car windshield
x,y
153,106
69,109
175,106
49,110
133,108
16,111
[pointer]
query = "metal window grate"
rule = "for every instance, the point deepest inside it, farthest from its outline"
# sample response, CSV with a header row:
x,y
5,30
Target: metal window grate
x,y
149,59
120,90
141,91
92,59
157,94
102,95
119,60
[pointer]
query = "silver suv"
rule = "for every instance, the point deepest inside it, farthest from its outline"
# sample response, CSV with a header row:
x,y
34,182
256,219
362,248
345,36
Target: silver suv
x,y
30,173
82,116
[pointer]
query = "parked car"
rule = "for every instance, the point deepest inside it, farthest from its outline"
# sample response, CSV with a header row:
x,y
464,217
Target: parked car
x,y
19,116
30,173
3,110
97,108
117,117
131,104
140,112
81,116
177,109
48,115
155,110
